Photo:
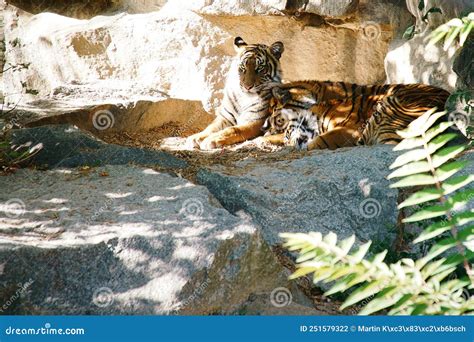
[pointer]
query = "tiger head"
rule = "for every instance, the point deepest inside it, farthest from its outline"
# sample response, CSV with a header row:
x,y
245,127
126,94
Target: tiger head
x,y
291,114
258,64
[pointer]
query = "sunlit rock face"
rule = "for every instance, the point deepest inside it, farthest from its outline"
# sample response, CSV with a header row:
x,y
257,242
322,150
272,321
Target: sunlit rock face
x,y
413,61
120,52
73,8
145,242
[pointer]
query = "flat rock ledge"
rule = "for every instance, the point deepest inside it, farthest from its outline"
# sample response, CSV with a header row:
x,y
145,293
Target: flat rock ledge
x,y
68,146
130,240
344,191
108,229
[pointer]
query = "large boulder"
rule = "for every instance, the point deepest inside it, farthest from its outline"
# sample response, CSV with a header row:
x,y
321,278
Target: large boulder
x,y
343,191
122,239
175,51
67,146
129,240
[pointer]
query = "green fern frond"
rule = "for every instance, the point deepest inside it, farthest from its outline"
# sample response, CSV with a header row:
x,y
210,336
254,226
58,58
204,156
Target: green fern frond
x,y
457,27
407,287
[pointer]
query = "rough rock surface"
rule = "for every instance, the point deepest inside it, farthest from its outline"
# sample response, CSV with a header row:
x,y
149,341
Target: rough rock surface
x,y
463,66
122,239
344,191
86,8
127,240
182,52
67,146
413,61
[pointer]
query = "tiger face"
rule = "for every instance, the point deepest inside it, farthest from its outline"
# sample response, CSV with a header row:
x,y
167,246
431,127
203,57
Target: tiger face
x,y
258,64
298,123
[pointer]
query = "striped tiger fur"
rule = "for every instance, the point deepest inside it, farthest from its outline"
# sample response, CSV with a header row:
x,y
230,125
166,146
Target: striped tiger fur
x,y
313,114
246,99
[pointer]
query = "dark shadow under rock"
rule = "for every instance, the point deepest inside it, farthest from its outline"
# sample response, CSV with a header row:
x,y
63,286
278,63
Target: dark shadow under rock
x,y
67,146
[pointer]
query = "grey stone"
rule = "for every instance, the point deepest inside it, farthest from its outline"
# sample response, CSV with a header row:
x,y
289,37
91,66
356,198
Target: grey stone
x,y
415,61
344,191
127,240
67,146
463,67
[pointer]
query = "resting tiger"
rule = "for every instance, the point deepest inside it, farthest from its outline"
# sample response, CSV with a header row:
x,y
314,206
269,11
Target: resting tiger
x,y
317,115
246,100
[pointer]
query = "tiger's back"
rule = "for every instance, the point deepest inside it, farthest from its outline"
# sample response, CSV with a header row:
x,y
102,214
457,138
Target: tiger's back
x,y
331,124
396,111
347,114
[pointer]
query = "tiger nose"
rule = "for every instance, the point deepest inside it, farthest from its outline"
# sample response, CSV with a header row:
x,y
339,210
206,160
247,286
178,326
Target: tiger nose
x,y
302,140
247,86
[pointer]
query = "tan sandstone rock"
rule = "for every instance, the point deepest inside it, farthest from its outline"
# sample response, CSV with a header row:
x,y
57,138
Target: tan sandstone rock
x,y
167,52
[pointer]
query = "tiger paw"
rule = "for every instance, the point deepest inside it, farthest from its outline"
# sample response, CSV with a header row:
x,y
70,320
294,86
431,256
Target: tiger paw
x,y
194,141
209,143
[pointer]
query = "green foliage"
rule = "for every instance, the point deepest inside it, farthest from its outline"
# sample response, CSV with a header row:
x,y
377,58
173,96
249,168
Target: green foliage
x,y
411,30
462,96
457,27
12,157
407,286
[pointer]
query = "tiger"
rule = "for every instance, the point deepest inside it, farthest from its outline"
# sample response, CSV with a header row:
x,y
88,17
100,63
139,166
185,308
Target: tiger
x,y
332,124
246,101
319,115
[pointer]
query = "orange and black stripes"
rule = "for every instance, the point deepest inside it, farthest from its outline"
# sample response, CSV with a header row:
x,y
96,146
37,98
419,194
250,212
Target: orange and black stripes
x,y
345,114
396,111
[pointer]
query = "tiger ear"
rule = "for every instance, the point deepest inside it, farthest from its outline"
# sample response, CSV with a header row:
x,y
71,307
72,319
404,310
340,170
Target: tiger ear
x,y
277,49
281,95
238,43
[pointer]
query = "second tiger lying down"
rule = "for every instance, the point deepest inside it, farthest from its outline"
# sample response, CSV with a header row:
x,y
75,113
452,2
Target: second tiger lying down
x,y
318,115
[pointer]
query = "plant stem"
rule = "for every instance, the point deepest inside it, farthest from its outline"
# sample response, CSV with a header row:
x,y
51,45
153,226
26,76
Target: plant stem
x,y
454,229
